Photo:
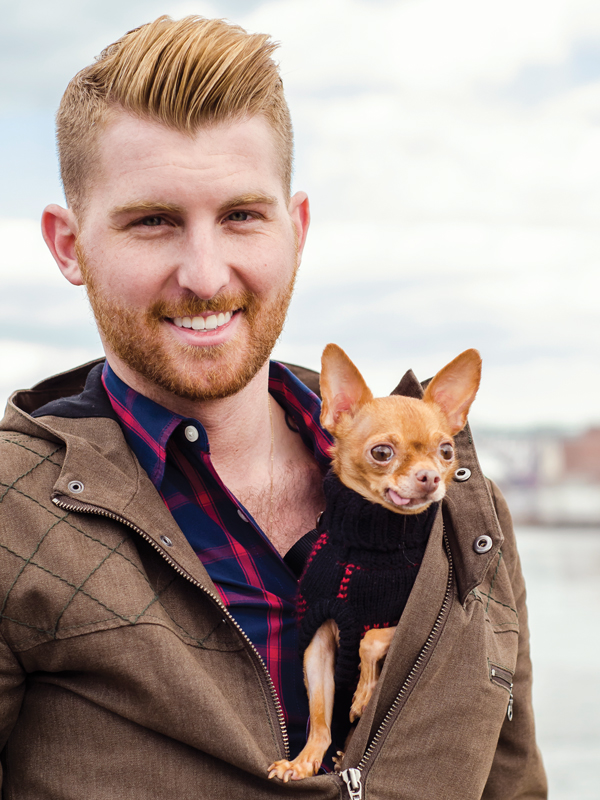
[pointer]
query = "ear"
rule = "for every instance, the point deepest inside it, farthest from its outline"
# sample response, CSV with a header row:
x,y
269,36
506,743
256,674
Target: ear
x,y
454,388
343,388
59,229
299,211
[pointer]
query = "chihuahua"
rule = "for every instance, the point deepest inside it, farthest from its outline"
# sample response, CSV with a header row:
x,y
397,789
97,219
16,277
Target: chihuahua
x,y
397,453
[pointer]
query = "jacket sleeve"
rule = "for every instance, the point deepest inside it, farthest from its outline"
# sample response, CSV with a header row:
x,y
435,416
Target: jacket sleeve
x,y
12,690
517,771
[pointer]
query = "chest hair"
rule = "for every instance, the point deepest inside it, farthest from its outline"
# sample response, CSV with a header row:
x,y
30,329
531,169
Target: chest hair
x,y
297,500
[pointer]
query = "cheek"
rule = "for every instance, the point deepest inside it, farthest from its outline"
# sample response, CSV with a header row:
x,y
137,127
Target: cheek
x,y
447,469
266,261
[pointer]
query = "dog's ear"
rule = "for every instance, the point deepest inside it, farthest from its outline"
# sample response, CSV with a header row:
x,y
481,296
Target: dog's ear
x,y
454,387
343,388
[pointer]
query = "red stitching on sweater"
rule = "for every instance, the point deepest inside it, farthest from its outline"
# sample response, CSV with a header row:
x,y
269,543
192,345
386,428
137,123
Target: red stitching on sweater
x,y
343,590
317,546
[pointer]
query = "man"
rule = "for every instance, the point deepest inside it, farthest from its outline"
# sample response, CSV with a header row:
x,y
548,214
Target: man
x,y
148,635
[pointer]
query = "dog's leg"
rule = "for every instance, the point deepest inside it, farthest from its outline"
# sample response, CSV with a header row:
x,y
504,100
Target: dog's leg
x,y
319,668
373,648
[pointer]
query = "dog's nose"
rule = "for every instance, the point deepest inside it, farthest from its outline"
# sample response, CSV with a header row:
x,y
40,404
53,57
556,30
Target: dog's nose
x,y
428,479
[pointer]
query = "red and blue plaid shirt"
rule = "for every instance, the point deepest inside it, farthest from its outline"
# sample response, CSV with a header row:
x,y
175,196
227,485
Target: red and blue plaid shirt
x,y
252,580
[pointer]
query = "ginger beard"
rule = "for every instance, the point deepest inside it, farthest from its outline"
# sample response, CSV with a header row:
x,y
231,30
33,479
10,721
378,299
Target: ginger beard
x,y
194,373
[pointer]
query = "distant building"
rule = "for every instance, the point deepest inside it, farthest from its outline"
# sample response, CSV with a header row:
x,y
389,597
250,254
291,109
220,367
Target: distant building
x,y
581,455
548,477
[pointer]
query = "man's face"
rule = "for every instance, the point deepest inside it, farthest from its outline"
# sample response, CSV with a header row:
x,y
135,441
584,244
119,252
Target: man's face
x,y
189,247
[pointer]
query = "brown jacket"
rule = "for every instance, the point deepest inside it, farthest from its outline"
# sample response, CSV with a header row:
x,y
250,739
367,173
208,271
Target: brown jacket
x,y
123,676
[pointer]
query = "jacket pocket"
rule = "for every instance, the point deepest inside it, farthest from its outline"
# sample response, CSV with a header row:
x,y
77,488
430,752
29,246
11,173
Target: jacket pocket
x,y
503,677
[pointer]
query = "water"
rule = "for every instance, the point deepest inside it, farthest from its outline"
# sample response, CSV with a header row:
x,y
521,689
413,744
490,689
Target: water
x,y
562,571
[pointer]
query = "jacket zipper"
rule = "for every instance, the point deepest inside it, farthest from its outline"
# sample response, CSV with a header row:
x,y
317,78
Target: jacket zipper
x,y
353,782
353,776
86,508
503,677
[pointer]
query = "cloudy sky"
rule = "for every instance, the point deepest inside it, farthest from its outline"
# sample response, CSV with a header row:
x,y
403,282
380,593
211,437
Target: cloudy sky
x,y
451,151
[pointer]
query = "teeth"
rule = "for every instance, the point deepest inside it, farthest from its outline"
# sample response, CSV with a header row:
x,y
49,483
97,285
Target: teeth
x,y
202,323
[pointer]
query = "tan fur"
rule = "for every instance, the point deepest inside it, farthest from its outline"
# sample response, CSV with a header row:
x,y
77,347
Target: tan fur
x,y
420,435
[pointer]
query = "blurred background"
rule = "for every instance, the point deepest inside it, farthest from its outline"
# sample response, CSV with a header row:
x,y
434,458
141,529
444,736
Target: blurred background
x,y
451,151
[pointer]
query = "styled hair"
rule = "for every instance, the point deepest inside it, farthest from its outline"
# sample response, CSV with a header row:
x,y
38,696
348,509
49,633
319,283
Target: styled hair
x,y
184,74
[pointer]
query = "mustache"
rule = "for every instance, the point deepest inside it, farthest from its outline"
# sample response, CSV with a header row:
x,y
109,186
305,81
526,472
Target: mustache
x,y
195,306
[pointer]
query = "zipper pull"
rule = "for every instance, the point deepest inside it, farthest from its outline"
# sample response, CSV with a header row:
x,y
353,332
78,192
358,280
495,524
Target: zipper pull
x,y
352,780
509,710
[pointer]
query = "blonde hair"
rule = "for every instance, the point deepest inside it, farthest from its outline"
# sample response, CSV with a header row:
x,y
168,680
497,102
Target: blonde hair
x,y
183,73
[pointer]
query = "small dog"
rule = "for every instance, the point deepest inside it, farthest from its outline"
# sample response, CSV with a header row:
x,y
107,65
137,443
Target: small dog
x,y
397,453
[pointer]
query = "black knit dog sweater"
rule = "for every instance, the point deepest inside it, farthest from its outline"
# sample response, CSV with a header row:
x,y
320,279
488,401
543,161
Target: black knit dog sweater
x,y
360,572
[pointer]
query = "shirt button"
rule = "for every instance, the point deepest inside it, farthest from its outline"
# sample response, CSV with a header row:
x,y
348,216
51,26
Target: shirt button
x,y
191,433
242,515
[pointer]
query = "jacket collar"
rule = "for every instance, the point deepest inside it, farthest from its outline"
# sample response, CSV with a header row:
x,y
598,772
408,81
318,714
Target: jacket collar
x,y
468,508
100,474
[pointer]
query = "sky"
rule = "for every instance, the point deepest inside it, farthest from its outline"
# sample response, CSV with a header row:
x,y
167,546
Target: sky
x,y
451,152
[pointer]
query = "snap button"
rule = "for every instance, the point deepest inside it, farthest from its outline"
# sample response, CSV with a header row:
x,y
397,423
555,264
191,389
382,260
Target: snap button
x,y
241,515
462,474
76,487
191,433
166,540
483,544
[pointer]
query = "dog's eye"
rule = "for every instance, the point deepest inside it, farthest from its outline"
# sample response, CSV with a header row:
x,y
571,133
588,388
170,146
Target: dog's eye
x,y
382,452
447,451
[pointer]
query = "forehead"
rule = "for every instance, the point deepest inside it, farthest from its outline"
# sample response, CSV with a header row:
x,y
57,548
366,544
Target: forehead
x,y
140,155
404,419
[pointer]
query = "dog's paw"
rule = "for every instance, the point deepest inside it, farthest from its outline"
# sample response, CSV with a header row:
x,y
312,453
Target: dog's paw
x,y
294,770
359,702
361,698
337,761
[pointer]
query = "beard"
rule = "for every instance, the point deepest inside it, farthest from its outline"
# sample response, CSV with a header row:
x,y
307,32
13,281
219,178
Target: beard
x,y
195,373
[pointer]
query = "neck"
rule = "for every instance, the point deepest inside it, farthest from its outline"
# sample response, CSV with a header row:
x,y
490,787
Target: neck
x,y
355,522
238,427
284,491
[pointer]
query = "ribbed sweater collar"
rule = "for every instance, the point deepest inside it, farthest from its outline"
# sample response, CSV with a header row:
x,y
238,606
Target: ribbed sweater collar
x,y
353,521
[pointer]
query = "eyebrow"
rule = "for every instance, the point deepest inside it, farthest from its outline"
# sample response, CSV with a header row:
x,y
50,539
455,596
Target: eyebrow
x,y
248,200
146,206
149,207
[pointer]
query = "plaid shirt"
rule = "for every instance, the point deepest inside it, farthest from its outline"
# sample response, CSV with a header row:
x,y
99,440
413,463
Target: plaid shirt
x,y
252,580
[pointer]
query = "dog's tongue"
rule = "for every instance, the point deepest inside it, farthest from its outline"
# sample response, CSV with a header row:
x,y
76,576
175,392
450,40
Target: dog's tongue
x,y
395,498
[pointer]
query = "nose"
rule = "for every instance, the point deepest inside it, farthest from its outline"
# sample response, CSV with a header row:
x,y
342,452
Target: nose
x,y
203,268
428,479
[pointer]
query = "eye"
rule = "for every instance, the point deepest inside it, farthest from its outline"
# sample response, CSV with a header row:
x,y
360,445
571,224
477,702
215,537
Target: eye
x,y
447,451
152,222
382,453
239,216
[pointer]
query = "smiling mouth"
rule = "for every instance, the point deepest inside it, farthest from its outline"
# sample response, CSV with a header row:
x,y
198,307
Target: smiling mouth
x,y
208,323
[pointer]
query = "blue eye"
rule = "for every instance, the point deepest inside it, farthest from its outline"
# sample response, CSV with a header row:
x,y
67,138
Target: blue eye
x,y
152,222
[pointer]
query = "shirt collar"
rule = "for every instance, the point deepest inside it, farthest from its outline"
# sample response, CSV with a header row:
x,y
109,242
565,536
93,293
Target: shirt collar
x,y
148,426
